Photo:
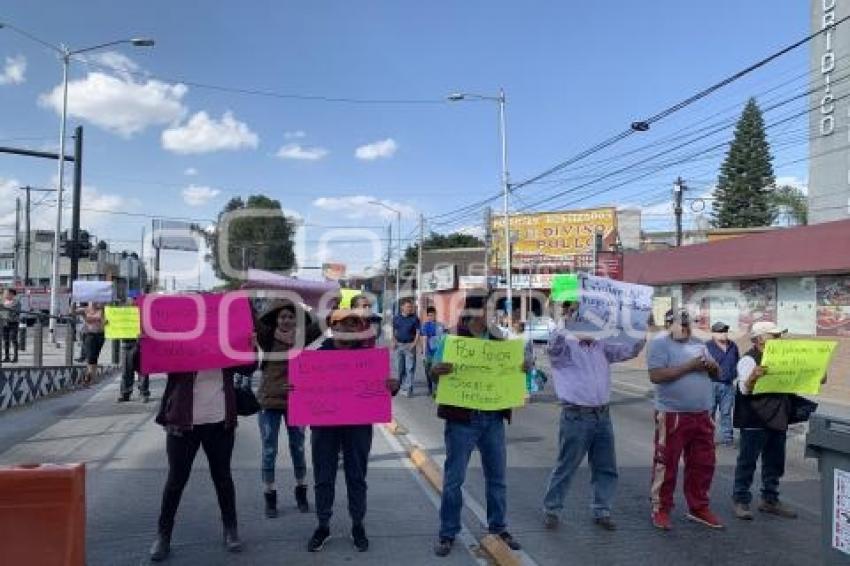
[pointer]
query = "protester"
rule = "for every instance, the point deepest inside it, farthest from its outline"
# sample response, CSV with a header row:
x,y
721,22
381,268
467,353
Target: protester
x,y
682,370
10,316
432,331
466,430
582,374
283,326
198,409
405,337
93,319
349,330
132,366
763,420
725,353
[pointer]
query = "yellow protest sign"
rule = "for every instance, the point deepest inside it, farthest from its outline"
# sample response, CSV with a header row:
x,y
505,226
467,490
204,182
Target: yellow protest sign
x,y
122,323
347,295
794,366
487,374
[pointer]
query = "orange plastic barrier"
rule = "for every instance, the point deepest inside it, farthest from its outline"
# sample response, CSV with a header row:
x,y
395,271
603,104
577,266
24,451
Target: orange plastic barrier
x,y
43,515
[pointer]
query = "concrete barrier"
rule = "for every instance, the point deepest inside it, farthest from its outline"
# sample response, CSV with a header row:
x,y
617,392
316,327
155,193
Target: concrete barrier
x,y
24,385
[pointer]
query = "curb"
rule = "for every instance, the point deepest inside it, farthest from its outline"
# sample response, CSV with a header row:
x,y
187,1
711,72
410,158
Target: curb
x,y
494,546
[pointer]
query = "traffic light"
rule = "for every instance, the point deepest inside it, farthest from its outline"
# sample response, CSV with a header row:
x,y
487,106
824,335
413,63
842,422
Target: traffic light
x,y
85,244
63,244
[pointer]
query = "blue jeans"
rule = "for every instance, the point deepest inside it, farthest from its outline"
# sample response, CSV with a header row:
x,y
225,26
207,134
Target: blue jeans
x,y
485,431
405,356
724,399
269,421
770,445
583,434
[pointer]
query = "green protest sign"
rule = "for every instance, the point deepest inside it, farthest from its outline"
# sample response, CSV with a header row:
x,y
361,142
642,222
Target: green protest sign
x,y
565,287
122,323
487,374
794,366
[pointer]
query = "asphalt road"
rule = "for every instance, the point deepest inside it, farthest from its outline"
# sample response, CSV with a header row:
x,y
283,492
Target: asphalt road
x,y
124,452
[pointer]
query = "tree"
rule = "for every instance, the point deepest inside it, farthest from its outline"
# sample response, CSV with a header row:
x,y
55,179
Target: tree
x,y
742,197
260,240
790,206
441,241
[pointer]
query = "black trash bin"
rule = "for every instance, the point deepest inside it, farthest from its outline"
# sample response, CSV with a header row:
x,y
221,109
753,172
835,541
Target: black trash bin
x,y
828,440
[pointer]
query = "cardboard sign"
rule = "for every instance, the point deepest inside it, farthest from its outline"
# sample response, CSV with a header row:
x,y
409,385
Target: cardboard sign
x,y
340,387
487,374
794,366
195,332
91,291
612,309
565,287
122,323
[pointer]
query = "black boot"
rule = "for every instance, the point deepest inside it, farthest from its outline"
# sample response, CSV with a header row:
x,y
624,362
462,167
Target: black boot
x,y
231,540
271,504
301,498
161,548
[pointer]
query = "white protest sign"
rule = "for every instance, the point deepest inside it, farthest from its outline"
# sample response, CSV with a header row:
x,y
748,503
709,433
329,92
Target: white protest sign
x,y
91,292
612,309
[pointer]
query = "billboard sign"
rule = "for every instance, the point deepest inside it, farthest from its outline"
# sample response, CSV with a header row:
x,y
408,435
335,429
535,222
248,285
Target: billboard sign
x,y
553,238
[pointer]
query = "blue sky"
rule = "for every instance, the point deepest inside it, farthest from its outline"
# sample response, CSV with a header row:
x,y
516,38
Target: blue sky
x,y
574,73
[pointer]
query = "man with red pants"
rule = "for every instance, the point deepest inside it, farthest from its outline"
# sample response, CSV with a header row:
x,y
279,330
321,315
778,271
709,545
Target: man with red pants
x,y
682,371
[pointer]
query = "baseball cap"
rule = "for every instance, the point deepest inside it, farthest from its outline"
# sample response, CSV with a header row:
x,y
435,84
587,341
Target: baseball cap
x,y
680,316
720,327
765,327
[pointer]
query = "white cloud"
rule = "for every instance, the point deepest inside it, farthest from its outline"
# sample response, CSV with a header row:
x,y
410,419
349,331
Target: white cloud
x,y
202,134
115,61
14,70
298,151
477,231
795,182
379,149
190,171
195,195
361,206
296,135
120,105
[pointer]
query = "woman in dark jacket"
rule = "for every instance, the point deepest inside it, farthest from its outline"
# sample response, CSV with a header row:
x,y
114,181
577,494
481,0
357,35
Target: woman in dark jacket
x,y
283,326
198,409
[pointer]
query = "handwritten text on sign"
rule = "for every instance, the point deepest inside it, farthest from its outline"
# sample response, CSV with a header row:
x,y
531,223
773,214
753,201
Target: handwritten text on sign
x,y
122,323
612,309
195,332
794,366
340,387
487,374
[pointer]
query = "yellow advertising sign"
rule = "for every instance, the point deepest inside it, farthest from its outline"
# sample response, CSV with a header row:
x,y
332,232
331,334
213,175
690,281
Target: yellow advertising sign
x,y
551,238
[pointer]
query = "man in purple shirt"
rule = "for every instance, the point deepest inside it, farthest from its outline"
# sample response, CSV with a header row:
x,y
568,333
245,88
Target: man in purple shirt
x,y
582,376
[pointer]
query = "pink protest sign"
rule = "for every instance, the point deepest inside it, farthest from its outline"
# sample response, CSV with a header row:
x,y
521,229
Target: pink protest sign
x,y
195,331
340,387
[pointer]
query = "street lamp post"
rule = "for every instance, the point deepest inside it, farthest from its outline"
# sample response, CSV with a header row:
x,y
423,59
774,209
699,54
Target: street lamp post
x,y
506,184
66,53
398,263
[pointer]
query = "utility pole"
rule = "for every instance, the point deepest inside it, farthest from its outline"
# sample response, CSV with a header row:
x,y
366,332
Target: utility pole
x,y
507,189
419,265
387,266
678,189
74,241
17,241
27,239
488,241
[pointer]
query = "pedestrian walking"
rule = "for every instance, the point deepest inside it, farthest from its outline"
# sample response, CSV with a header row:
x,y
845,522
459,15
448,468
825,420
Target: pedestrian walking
x,y
198,410
581,367
348,327
10,316
763,420
466,430
725,353
282,327
682,370
132,367
93,319
432,331
406,328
